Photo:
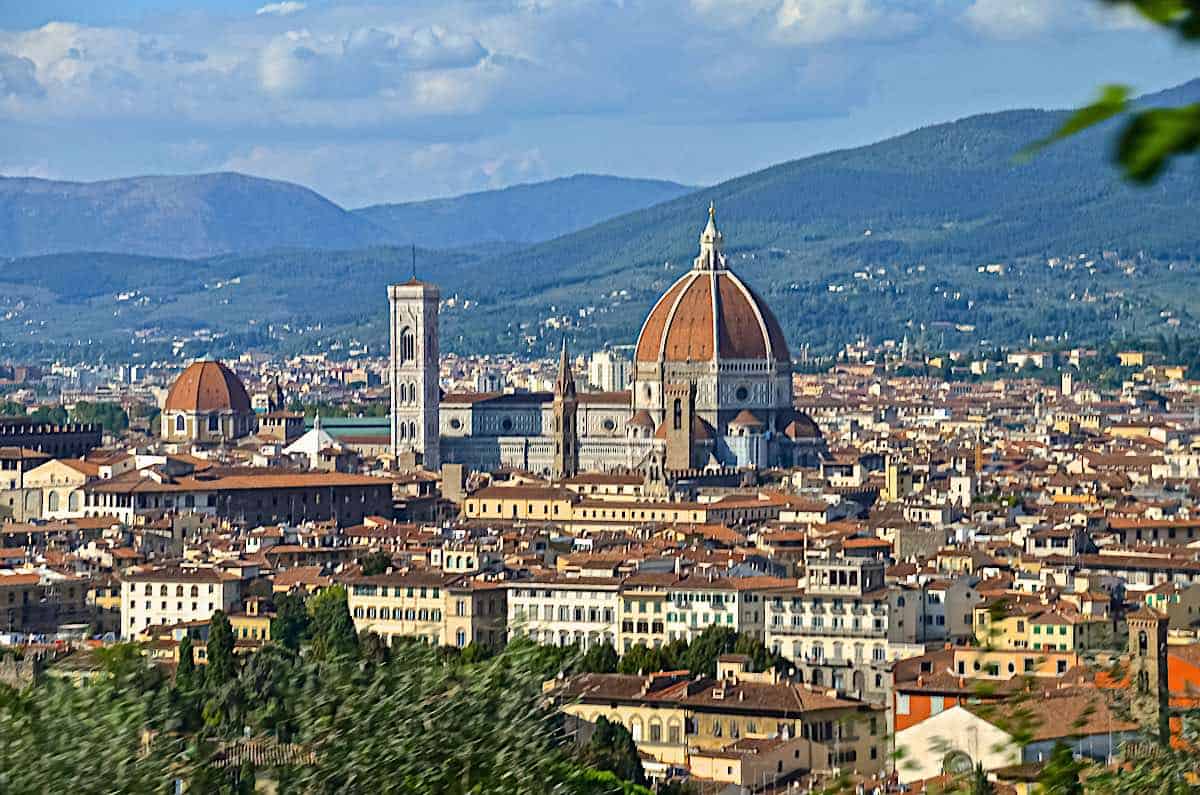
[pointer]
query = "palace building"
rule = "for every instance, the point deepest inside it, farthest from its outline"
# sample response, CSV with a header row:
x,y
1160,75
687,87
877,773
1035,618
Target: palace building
x,y
711,390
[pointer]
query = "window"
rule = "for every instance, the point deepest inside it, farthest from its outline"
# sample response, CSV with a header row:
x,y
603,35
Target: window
x,y
677,414
180,425
214,423
902,704
408,344
936,704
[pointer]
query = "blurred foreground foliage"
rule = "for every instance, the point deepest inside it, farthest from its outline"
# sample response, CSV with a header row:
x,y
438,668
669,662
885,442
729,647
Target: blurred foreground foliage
x,y
409,718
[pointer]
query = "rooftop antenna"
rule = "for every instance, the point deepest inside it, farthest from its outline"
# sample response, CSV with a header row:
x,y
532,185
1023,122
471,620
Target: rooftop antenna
x,y
414,261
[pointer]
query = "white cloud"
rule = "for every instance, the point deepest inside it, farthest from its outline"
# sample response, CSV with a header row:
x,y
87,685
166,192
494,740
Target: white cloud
x,y
283,9
810,22
1011,18
815,21
1019,19
361,63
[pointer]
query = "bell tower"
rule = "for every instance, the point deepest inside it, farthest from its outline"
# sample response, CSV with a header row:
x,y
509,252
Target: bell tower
x,y
1148,671
413,371
566,408
680,411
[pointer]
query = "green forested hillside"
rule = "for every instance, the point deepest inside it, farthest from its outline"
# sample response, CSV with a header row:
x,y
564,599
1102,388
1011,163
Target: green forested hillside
x,y
880,241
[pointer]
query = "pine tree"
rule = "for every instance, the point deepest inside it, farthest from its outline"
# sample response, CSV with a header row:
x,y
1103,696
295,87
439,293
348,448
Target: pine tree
x,y
290,626
332,627
221,665
185,674
600,659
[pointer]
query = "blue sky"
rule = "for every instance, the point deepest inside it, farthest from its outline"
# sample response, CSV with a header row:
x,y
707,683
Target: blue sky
x,y
390,101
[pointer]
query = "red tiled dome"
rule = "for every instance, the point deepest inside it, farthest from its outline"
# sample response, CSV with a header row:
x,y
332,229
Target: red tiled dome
x,y
208,386
681,326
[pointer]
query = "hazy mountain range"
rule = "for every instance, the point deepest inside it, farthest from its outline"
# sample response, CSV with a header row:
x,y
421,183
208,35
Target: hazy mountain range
x,y
208,214
883,240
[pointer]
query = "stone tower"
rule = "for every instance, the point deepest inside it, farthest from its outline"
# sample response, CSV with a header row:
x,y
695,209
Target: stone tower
x,y
1148,671
413,371
680,410
566,406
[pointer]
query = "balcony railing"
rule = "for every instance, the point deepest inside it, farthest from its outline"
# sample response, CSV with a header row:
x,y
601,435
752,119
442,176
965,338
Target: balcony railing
x,y
843,632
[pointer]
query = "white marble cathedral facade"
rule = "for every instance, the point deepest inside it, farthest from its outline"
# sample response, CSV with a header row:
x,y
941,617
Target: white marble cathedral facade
x,y
711,390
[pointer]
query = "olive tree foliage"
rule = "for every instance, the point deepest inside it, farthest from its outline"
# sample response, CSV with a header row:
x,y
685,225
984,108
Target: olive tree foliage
x,y
101,738
1150,136
417,721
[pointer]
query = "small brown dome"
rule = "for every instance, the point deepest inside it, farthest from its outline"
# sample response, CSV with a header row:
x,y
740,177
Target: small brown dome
x,y
802,427
208,386
746,419
642,419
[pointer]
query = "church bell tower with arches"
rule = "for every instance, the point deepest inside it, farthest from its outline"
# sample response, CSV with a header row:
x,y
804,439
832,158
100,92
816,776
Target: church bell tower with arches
x,y
413,371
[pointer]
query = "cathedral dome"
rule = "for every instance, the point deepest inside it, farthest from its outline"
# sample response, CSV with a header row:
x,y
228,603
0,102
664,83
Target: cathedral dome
x,y
709,313
205,387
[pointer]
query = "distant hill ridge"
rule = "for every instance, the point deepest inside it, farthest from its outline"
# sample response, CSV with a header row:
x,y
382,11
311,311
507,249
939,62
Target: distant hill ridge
x,y
203,215
528,213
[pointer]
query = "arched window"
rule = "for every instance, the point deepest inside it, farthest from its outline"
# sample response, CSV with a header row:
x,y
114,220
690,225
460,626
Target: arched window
x,y
678,414
403,430
412,430
408,345
162,591
180,424
404,393
52,501
214,423
73,501
195,591
179,590
1143,643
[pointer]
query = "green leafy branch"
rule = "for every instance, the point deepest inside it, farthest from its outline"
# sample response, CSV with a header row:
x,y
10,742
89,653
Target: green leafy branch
x,y
1151,137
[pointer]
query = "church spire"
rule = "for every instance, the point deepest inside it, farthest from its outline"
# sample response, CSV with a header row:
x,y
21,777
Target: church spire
x,y
712,243
565,384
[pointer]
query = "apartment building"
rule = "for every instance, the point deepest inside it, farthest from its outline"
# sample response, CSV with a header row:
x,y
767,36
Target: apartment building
x,y
674,717
438,608
559,611
175,594
844,628
698,602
